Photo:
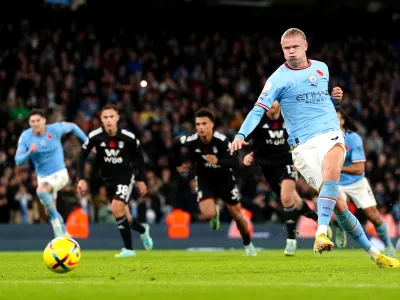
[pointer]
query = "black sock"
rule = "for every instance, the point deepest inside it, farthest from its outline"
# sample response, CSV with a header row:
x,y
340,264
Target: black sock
x,y
335,223
246,239
137,226
291,215
124,230
306,211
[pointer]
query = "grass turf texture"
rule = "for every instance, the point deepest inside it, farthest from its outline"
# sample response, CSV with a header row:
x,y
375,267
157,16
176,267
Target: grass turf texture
x,y
341,274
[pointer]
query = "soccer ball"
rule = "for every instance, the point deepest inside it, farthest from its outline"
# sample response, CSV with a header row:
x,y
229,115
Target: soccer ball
x,y
62,255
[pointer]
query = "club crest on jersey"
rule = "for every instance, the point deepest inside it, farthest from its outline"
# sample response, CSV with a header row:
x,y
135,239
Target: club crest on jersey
x,y
120,144
312,78
43,143
215,150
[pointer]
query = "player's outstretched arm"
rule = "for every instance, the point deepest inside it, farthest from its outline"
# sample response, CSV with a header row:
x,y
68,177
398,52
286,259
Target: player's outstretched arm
x,y
85,151
66,127
249,124
178,142
272,91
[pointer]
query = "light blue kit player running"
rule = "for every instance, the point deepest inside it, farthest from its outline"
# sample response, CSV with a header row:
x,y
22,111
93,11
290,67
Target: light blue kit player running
x,y
318,149
42,145
354,184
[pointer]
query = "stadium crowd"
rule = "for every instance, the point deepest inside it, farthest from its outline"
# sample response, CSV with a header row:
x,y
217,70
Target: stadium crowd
x,y
158,82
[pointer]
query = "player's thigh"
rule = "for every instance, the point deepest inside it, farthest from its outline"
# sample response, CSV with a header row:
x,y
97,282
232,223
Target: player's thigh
x,y
305,160
282,180
122,189
61,181
204,189
288,177
229,193
54,182
360,193
273,176
331,153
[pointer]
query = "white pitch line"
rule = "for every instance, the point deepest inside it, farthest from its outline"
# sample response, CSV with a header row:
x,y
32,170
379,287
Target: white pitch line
x,y
203,283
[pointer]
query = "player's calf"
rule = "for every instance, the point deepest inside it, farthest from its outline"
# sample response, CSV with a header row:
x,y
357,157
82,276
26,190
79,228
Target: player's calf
x,y
372,215
352,226
118,210
57,222
241,223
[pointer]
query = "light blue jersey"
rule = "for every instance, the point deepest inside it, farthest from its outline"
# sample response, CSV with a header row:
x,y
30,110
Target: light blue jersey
x,y
304,99
354,153
49,156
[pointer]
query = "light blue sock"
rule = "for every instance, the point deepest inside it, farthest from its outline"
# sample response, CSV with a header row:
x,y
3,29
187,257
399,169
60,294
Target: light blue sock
x,y
381,230
327,201
352,226
56,219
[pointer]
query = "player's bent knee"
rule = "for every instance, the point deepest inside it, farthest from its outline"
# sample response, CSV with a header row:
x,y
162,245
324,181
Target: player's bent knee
x,y
287,199
207,208
118,208
331,172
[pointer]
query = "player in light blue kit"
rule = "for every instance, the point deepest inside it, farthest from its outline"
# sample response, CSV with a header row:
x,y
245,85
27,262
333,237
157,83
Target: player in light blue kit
x,y
42,144
354,184
301,88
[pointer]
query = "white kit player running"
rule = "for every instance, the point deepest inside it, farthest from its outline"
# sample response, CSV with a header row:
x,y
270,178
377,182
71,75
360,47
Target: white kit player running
x,y
42,144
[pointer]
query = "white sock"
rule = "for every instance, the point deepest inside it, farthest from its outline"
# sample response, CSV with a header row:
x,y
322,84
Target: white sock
x,y
321,229
373,253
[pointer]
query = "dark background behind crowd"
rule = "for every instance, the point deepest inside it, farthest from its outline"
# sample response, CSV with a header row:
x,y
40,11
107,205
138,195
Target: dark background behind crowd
x,y
72,63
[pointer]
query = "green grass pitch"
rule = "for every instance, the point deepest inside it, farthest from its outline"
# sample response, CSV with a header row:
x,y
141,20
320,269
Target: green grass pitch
x,y
340,274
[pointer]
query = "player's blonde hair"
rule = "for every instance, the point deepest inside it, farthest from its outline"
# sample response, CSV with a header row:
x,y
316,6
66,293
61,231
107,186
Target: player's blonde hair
x,y
292,32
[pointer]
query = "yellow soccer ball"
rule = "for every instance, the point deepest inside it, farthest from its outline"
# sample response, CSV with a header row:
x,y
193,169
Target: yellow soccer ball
x,y
62,255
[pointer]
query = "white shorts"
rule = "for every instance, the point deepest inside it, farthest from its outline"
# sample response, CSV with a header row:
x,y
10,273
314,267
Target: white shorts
x,y
360,193
308,157
57,180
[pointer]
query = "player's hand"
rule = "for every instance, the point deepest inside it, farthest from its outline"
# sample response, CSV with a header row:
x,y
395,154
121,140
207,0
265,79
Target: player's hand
x,y
237,144
210,158
33,148
81,189
248,159
337,94
141,187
